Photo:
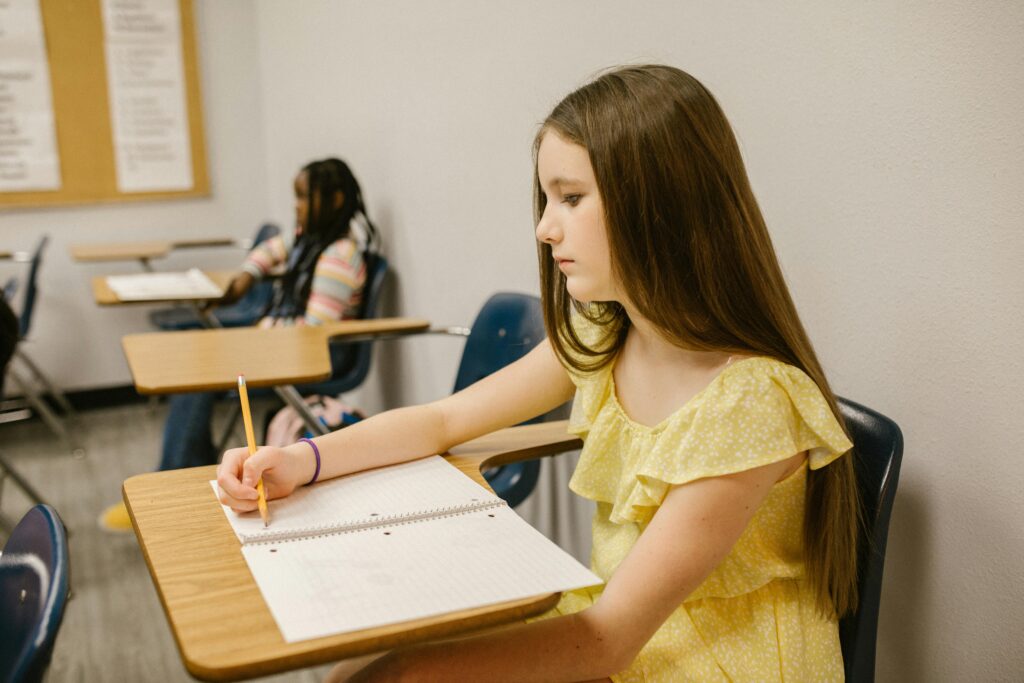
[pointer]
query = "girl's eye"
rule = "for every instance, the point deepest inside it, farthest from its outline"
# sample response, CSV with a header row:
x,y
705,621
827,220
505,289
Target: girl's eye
x,y
571,199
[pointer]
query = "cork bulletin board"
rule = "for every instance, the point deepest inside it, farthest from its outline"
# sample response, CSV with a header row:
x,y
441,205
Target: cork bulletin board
x,y
85,137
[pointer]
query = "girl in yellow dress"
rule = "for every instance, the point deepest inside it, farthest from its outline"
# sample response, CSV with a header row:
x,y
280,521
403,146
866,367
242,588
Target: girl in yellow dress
x,y
726,521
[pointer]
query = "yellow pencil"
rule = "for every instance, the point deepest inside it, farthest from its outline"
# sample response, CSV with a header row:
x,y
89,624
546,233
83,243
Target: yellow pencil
x,y
251,440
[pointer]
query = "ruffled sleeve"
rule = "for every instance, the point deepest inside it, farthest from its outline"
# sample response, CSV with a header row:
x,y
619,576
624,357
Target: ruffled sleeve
x,y
756,412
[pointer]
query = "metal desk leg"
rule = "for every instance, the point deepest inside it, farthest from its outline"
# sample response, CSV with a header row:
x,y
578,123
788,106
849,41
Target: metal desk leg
x,y
206,317
292,397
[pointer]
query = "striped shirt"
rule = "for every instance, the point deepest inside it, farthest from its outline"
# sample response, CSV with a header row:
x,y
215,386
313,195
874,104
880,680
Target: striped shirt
x,y
337,289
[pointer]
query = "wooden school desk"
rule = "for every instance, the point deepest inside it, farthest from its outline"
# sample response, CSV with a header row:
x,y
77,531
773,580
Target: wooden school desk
x,y
220,622
105,296
278,357
144,252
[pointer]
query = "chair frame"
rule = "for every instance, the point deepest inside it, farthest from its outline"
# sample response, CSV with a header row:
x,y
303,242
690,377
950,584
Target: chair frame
x,y
29,386
878,451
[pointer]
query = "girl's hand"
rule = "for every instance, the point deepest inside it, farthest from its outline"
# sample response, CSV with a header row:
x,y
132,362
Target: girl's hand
x,y
282,471
237,288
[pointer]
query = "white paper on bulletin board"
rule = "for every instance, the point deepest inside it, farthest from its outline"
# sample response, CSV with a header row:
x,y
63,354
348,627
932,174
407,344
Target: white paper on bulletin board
x,y
28,143
146,77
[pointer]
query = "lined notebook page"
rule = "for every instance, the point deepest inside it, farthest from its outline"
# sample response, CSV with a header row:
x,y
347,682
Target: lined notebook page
x,y
352,581
472,551
192,284
408,488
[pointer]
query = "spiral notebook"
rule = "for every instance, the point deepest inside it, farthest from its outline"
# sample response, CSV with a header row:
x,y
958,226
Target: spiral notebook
x,y
395,544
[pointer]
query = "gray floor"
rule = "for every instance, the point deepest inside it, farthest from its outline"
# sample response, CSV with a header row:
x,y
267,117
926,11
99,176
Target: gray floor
x,y
114,628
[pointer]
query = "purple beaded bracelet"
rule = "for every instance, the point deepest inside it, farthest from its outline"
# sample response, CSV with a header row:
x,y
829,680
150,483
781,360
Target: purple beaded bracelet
x,y
316,452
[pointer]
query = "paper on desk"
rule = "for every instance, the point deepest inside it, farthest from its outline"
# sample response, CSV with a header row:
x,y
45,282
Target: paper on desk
x,y
192,284
444,544
427,485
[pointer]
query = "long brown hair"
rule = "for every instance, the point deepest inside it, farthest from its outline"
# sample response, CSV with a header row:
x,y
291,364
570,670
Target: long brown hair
x,y
688,241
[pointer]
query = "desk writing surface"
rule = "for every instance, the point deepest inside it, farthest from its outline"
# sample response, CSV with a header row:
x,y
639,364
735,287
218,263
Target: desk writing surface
x,y
151,249
223,628
120,251
211,360
105,296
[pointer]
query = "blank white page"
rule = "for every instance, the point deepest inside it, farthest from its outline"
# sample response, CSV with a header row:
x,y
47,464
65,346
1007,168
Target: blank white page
x,y
399,490
356,580
192,284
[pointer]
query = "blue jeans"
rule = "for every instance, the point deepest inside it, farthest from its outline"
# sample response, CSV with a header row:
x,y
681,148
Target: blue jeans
x,y
187,438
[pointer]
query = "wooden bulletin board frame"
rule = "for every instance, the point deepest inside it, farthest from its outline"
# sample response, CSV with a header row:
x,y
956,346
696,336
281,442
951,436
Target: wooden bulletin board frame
x,y
85,140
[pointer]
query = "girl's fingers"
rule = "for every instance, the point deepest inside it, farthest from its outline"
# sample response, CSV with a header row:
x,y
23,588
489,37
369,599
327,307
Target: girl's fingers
x,y
229,476
238,505
263,459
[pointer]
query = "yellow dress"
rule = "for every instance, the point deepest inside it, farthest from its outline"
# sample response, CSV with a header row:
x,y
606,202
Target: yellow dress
x,y
754,617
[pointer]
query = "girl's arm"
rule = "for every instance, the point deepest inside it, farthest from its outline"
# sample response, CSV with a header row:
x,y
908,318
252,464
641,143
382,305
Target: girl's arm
x,y
533,385
260,261
265,256
692,531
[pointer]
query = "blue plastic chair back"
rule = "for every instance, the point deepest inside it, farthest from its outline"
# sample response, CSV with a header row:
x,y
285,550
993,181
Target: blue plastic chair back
x,y
28,303
506,329
33,594
350,361
243,313
264,233
878,447
10,289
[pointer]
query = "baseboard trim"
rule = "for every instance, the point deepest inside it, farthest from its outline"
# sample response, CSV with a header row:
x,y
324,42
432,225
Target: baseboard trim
x,y
105,397
84,399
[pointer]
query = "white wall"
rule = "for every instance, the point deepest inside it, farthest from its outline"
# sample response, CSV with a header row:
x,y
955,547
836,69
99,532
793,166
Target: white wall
x,y
79,343
883,143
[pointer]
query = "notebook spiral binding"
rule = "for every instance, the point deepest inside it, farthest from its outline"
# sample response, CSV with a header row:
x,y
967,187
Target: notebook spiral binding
x,y
268,537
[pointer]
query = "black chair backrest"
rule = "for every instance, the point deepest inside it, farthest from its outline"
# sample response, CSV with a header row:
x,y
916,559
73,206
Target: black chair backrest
x,y
33,593
350,361
506,329
29,301
878,447
10,333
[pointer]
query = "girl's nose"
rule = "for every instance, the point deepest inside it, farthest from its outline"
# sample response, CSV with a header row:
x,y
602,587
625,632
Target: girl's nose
x,y
547,231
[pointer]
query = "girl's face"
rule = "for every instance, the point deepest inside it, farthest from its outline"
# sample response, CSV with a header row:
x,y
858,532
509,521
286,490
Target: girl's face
x,y
573,220
301,202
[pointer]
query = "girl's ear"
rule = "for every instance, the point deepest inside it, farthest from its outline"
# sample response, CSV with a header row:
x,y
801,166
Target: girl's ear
x,y
339,199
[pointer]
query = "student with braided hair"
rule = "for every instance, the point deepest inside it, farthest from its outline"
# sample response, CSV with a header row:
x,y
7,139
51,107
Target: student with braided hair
x,y
324,271
324,274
